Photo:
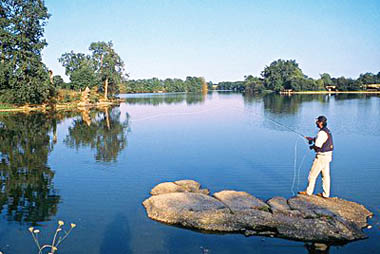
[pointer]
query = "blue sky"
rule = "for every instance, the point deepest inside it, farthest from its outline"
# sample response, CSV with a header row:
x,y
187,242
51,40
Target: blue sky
x,y
220,40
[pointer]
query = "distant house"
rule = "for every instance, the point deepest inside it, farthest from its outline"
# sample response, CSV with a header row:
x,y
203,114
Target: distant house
x,y
330,88
372,87
286,91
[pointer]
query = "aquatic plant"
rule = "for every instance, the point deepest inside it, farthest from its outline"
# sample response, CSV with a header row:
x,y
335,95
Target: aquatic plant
x,y
56,242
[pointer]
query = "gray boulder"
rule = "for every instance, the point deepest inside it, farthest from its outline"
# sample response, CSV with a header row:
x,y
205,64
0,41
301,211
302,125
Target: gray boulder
x,y
304,218
178,186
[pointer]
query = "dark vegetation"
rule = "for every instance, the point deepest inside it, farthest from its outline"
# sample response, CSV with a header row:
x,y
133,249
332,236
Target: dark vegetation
x,y
190,84
282,75
23,76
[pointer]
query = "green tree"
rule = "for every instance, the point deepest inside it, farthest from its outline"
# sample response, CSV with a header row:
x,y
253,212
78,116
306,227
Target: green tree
x,y
253,84
23,76
229,85
193,84
81,70
349,84
280,74
58,81
326,79
109,66
368,78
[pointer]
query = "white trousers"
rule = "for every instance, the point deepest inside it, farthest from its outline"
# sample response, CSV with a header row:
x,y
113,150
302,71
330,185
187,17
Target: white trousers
x,y
321,164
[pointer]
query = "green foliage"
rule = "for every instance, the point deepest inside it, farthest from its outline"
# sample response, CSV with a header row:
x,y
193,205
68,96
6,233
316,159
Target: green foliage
x,y
285,74
229,85
369,78
253,84
82,78
193,84
282,74
108,65
58,81
326,79
23,76
81,70
344,84
302,84
153,85
103,69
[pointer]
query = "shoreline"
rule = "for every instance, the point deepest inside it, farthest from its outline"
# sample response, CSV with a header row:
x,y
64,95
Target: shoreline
x,y
330,92
60,106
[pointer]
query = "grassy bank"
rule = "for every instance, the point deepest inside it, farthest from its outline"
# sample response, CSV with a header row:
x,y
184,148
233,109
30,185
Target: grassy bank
x,y
65,100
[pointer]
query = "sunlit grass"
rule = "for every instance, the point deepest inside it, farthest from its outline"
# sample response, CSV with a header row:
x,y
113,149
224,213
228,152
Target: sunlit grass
x,y
6,106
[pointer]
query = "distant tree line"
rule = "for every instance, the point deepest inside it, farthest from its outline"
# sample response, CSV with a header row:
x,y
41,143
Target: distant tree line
x,y
283,75
153,85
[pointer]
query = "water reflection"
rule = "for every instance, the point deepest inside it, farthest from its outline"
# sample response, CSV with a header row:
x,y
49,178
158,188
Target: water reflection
x,y
27,191
102,131
293,111
290,104
317,248
157,99
283,104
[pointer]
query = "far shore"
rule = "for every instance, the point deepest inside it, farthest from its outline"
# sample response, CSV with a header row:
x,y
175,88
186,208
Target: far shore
x,y
79,106
330,92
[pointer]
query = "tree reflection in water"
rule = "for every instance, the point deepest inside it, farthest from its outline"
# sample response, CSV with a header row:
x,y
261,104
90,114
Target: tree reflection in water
x,y
27,193
102,131
171,98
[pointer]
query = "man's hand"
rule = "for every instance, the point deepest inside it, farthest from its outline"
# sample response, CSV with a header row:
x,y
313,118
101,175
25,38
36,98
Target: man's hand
x,y
315,148
310,140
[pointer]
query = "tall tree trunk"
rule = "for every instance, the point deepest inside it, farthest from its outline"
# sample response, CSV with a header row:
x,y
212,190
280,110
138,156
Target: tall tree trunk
x,y
51,76
105,89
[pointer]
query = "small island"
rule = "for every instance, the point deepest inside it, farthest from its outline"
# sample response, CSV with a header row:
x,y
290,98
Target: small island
x,y
303,218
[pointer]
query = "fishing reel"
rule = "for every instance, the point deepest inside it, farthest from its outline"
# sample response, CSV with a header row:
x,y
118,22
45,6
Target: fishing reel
x,y
310,140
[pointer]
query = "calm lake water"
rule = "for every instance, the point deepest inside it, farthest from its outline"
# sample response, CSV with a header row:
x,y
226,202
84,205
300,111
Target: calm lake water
x,y
95,168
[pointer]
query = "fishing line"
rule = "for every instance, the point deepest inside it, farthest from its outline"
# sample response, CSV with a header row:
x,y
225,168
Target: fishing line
x,y
280,124
296,173
294,168
276,122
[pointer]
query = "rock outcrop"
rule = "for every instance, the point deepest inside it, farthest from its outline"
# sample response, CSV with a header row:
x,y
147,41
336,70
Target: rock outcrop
x,y
304,218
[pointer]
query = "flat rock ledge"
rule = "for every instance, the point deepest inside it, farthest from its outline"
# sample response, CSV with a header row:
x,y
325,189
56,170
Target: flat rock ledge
x,y
303,218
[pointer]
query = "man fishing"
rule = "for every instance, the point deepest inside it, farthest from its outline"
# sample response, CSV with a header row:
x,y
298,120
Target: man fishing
x,y
322,144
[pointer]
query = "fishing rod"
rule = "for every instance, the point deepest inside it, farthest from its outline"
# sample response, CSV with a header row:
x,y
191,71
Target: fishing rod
x,y
284,126
279,124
